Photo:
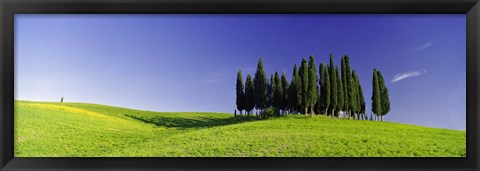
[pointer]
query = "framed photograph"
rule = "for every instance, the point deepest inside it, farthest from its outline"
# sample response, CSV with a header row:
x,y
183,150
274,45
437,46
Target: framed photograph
x,y
229,85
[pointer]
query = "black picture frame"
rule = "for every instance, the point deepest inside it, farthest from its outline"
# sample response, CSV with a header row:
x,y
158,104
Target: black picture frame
x,y
8,8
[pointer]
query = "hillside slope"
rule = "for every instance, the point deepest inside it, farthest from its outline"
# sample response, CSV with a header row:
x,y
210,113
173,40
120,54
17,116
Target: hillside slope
x,y
78,129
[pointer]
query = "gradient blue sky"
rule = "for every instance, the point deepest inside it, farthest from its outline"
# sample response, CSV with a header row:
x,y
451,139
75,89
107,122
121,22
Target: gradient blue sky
x,y
189,62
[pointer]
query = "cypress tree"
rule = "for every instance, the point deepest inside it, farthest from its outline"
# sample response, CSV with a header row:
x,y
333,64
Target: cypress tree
x,y
340,95
376,98
361,99
355,106
318,104
285,92
383,95
249,94
303,73
312,84
61,100
240,92
260,82
270,85
277,92
299,91
294,89
348,87
345,76
333,85
325,88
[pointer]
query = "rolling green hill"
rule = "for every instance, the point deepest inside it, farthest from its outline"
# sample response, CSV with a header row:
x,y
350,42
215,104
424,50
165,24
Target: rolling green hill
x,y
78,130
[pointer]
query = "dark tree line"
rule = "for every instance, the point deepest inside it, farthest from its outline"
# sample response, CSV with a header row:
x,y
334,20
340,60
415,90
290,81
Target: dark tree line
x,y
332,92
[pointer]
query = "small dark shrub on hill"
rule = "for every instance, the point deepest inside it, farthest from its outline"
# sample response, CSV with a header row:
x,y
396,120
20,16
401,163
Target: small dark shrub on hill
x,y
270,112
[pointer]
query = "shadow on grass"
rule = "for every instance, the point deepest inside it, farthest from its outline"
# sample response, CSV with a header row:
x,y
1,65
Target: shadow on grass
x,y
197,122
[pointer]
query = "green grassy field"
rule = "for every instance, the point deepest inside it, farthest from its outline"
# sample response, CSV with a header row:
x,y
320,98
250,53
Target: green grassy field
x,y
77,130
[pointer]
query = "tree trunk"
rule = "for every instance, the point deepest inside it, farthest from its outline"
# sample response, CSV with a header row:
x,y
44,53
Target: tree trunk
x,y
312,111
333,113
306,111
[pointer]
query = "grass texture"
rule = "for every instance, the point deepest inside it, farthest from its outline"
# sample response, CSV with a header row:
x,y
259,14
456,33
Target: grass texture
x,y
50,129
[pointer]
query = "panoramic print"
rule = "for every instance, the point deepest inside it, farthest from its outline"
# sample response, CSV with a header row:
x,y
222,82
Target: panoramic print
x,y
231,85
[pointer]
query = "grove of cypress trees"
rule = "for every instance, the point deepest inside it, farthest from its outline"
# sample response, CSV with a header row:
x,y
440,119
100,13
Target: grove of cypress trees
x,y
260,82
312,84
240,92
303,73
249,94
340,95
285,86
324,88
333,85
385,101
340,91
376,98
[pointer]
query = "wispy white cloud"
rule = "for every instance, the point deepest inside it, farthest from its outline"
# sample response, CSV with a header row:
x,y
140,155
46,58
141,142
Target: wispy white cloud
x,y
408,74
424,46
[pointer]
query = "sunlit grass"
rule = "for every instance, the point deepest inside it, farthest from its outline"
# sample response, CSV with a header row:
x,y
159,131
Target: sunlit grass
x,y
44,129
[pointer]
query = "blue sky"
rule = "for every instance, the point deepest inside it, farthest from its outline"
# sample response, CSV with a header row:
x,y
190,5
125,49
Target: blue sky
x,y
189,62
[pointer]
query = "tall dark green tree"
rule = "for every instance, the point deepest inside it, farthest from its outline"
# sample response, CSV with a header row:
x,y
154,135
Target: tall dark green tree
x,y
260,82
333,85
277,91
295,96
270,85
383,95
345,78
376,96
249,94
361,99
318,105
303,72
324,88
240,101
340,95
285,86
355,106
312,84
349,87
